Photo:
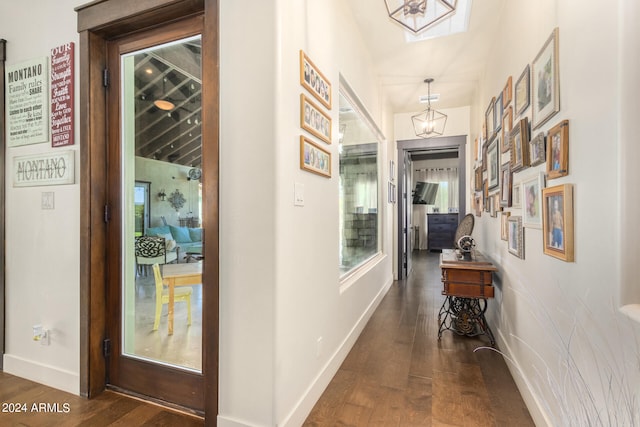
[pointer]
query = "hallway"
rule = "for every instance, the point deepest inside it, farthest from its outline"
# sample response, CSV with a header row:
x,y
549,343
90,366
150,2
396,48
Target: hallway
x,y
397,374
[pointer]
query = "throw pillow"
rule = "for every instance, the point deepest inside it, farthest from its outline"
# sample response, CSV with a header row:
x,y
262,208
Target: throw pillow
x,y
169,243
195,234
180,234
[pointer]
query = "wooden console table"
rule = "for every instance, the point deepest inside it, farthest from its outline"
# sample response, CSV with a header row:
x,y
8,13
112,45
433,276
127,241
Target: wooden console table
x,y
467,285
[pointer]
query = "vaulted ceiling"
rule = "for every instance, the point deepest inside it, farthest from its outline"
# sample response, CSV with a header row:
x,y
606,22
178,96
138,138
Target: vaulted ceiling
x,y
171,73
456,62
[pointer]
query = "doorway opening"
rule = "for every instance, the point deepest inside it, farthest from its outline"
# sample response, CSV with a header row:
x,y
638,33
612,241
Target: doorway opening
x,y
431,181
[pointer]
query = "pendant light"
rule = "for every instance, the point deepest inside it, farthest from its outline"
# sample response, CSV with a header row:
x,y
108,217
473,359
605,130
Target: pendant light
x,y
429,122
418,15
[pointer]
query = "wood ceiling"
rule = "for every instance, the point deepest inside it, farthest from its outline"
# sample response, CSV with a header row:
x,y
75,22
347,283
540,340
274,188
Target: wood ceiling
x,y
172,73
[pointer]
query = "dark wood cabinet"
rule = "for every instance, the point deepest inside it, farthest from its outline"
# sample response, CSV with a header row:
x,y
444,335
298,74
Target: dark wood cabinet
x,y
441,230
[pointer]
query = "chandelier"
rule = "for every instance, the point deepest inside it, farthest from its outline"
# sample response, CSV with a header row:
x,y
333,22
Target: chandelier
x,y
416,16
430,122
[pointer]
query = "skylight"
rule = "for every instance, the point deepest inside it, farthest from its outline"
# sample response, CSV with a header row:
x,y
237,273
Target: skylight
x,y
457,23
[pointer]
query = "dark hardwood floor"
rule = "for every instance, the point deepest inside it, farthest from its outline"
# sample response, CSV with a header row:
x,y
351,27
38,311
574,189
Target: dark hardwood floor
x,y
398,374
25,403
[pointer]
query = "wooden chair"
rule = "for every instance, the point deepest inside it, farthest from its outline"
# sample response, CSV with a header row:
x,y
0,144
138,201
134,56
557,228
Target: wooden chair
x,y
162,297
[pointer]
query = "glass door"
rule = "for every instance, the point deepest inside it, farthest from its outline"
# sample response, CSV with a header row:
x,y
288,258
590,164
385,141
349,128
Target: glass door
x,y
156,292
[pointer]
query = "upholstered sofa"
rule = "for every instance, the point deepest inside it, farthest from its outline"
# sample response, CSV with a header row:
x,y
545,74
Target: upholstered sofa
x,y
185,240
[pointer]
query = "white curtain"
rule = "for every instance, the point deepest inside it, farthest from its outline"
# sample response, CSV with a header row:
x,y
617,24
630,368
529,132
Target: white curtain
x,y
446,198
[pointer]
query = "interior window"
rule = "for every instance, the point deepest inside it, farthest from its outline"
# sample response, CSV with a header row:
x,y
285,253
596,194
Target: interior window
x,y
360,201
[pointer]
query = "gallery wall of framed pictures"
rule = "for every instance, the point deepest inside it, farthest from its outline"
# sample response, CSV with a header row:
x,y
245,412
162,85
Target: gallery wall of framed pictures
x,y
315,118
519,151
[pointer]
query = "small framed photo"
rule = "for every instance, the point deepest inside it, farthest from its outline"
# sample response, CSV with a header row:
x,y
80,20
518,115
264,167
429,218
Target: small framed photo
x,y
557,221
558,150
507,126
490,118
492,206
485,196
522,92
504,225
505,185
532,195
520,145
478,179
493,164
314,158
484,156
507,93
516,198
515,243
478,203
546,84
537,153
314,81
314,120
497,115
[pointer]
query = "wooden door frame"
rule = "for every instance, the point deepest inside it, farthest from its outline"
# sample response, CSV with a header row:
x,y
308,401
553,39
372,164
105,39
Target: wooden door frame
x,y
3,57
99,22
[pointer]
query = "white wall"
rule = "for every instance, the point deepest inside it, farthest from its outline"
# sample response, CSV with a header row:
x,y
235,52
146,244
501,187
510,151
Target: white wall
x,y
280,290
573,352
42,246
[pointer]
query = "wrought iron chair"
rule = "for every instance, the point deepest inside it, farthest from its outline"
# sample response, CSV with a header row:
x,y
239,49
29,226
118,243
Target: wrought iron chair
x,y
151,250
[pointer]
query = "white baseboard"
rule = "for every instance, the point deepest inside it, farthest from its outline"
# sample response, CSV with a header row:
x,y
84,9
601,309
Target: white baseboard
x,y
305,404
537,411
43,374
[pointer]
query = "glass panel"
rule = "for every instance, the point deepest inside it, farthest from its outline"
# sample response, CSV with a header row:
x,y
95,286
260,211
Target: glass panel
x,y
359,187
161,166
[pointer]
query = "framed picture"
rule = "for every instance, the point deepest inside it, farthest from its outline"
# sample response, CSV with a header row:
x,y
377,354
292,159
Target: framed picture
x,y
504,225
537,153
478,203
493,165
484,156
485,196
507,126
522,99
546,84
492,206
314,81
558,150
314,158
505,187
516,199
314,120
532,209
507,93
497,114
478,179
490,118
475,150
557,221
520,145
515,242
496,204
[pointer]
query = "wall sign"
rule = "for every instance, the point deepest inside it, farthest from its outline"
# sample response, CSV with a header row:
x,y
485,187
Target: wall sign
x,y
44,169
62,73
27,102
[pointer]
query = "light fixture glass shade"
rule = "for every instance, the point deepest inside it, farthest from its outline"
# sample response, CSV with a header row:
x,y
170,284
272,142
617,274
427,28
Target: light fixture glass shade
x,y
418,15
163,104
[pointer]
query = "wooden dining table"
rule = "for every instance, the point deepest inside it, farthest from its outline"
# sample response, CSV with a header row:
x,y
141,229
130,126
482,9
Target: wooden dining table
x,y
180,275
